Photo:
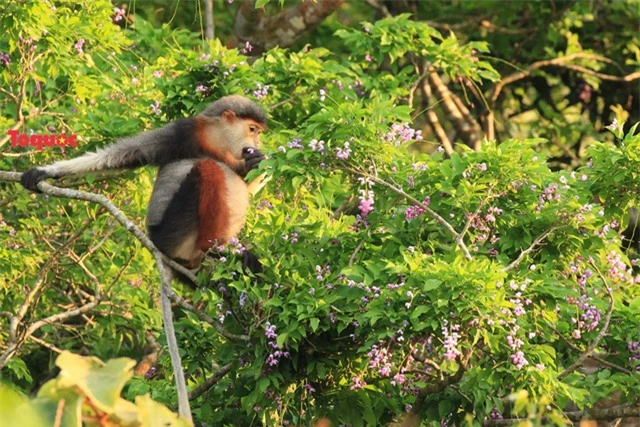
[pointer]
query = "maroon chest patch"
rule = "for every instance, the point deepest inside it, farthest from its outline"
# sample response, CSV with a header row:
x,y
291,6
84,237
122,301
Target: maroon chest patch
x,y
213,212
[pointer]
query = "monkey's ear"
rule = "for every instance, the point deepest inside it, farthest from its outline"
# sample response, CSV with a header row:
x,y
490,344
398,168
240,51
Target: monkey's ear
x,y
229,116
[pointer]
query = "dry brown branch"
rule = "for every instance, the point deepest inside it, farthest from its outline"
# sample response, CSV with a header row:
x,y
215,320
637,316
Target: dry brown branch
x,y
608,414
432,118
561,61
464,123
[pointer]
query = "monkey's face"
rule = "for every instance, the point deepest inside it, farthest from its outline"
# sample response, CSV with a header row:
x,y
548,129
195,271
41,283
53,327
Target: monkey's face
x,y
240,134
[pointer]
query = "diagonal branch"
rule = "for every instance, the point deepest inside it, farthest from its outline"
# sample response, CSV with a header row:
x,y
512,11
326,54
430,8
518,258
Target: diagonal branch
x,y
422,206
537,242
575,365
210,382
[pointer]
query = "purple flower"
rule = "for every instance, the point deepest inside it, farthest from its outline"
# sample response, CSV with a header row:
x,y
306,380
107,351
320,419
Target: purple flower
x,y
78,46
5,59
155,108
119,14
402,133
519,360
343,153
316,145
261,91
296,143
357,383
366,202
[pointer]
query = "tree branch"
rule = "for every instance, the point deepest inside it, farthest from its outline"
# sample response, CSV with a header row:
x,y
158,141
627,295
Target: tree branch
x,y
282,29
606,414
210,382
462,121
422,206
575,365
530,249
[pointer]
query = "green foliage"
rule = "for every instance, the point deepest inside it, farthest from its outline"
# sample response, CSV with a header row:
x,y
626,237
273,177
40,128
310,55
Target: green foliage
x,y
86,392
473,281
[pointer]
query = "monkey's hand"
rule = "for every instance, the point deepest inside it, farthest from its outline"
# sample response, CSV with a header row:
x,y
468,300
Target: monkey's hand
x,y
252,158
32,177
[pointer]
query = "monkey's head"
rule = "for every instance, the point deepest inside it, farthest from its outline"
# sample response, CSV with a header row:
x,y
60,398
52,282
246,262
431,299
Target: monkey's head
x,y
232,124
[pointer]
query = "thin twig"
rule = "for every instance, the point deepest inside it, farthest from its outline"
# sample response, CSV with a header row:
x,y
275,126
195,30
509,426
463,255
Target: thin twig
x,y
530,249
352,258
422,206
587,353
46,344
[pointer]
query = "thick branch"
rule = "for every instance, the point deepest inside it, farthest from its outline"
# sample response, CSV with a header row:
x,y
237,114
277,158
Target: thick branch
x,y
462,121
606,414
284,28
432,118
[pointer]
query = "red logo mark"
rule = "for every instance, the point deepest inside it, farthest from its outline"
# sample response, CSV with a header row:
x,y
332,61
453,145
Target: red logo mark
x,y
40,140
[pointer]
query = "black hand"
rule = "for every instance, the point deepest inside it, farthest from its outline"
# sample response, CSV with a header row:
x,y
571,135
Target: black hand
x,y
251,263
32,177
252,157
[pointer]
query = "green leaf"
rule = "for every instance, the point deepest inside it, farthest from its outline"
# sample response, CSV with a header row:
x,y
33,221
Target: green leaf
x,y
314,322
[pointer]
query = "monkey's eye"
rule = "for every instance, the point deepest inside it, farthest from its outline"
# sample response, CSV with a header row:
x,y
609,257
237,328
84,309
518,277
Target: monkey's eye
x,y
253,129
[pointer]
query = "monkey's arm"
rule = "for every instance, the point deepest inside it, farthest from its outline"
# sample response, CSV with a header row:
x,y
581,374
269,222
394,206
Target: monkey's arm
x,y
156,147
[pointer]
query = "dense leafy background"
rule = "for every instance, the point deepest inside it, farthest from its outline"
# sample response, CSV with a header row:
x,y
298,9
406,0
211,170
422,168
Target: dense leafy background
x,y
369,305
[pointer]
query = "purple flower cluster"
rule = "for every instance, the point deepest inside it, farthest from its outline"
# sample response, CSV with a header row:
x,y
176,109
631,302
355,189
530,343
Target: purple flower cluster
x,y
412,212
155,108
316,145
5,59
264,204
201,88
366,202
295,144
450,340
275,356
484,224
401,133
261,91
618,270
513,342
235,246
293,238
344,151
358,383
548,194
247,48
79,45
119,14
322,272
634,348
242,300
380,360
